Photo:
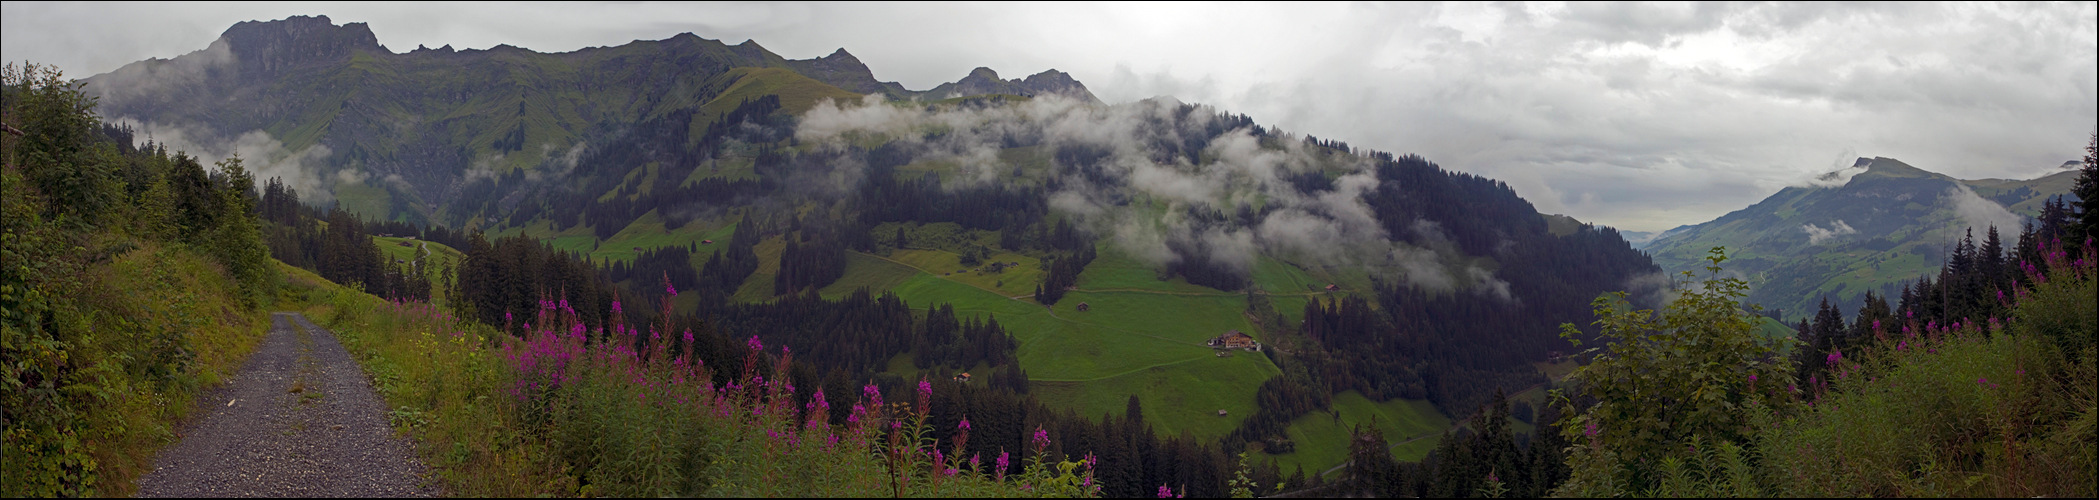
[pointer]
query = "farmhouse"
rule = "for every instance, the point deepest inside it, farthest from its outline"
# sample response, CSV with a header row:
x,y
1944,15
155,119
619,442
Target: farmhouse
x,y
1331,288
962,377
1083,307
1235,340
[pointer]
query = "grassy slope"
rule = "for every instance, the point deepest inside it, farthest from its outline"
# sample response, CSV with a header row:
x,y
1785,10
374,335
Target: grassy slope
x,y
1093,362
441,257
156,291
1322,441
1767,241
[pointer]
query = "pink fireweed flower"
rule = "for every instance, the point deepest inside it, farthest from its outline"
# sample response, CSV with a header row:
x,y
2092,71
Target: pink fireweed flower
x,y
1041,439
615,306
1752,378
1834,356
964,425
754,344
1590,429
974,461
1003,462
1164,492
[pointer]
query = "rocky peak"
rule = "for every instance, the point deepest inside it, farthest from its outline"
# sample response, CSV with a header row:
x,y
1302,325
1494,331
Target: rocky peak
x,y
985,81
267,47
842,70
1058,82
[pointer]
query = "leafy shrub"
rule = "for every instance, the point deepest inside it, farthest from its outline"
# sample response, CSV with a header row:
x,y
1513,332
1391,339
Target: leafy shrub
x,y
1665,383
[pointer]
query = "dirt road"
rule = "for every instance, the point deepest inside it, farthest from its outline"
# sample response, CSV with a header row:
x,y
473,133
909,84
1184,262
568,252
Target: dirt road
x,y
299,420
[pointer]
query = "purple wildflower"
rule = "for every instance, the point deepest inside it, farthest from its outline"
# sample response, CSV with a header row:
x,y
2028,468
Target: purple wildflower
x,y
964,425
1752,378
1041,439
925,393
1002,462
1589,430
754,344
1164,492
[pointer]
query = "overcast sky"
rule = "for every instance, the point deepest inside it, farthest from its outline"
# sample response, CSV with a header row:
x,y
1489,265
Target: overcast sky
x,y
1637,116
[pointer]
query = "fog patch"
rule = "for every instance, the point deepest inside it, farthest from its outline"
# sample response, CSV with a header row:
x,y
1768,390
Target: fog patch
x,y
1978,213
1137,178
262,155
1817,234
148,77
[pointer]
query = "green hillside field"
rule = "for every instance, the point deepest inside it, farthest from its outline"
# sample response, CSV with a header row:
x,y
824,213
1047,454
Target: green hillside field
x,y
1322,436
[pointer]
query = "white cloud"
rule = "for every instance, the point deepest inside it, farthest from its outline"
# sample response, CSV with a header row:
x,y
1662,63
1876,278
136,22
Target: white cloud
x,y
1817,234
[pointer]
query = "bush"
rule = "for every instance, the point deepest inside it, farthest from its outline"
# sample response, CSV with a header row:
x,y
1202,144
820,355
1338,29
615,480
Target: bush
x,y
1664,385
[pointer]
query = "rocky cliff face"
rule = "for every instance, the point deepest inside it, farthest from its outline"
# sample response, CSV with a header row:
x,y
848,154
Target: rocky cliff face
x,y
268,48
842,70
985,81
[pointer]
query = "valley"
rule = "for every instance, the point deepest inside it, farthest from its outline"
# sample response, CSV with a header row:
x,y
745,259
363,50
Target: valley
x,y
685,267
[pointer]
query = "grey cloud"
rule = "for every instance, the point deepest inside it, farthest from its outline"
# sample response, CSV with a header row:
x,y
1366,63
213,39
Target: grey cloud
x,y
1979,214
1154,225
306,169
1817,234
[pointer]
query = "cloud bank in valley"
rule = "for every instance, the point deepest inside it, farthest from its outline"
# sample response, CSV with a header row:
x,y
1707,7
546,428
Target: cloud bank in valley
x,y
1123,185
306,169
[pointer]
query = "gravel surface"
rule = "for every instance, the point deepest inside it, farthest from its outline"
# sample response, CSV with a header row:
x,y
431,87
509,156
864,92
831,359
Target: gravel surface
x,y
299,420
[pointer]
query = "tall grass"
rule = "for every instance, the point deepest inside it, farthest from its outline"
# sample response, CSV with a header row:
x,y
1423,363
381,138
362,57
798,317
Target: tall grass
x,y
1998,407
1989,407
569,411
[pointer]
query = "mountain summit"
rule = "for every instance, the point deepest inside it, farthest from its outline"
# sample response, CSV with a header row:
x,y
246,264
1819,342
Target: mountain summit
x,y
985,81
1870,227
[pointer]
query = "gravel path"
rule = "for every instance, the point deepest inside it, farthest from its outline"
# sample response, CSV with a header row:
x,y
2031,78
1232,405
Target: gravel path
x,y
300,420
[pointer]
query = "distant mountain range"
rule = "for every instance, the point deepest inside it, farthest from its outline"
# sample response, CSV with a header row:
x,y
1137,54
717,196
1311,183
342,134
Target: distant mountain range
x,y
1870,227
400,134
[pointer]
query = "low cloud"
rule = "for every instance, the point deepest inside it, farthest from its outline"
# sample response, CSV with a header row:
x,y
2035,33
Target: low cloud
x,y
306,169
1980,214
1817,234
1166,182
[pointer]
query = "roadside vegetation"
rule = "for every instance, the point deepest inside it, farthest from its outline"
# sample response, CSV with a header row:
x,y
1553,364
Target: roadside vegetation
x,y
131,280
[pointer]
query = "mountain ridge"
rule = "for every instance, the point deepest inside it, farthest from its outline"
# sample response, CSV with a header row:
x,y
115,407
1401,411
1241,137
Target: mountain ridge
x,y
1870,227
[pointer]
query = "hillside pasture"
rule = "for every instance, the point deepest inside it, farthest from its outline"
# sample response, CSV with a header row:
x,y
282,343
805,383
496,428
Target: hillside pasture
x,y
1085,365
1322,437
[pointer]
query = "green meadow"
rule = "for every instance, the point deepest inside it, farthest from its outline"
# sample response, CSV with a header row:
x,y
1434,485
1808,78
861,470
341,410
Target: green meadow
x,y
1322,436
1145,344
